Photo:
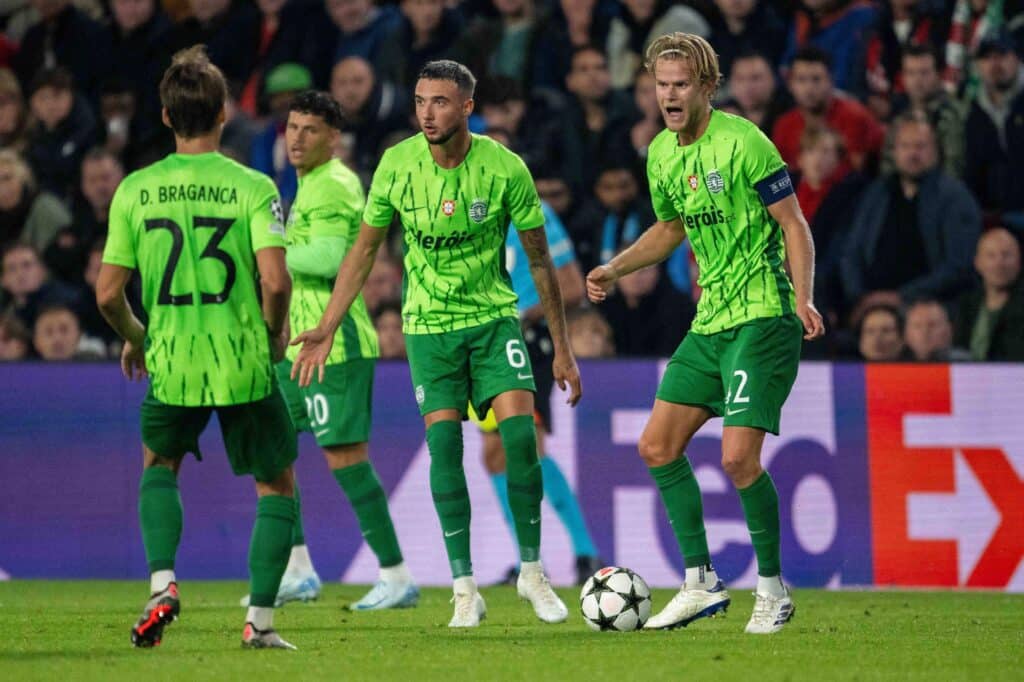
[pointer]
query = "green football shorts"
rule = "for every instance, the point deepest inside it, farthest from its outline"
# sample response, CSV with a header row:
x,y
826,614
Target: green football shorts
x,y
743,374
258,436
452,369
337,411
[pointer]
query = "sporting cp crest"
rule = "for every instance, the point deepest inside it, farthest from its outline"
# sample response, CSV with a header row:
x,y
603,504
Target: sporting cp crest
x,y
714,182
693,182
448,207
478,210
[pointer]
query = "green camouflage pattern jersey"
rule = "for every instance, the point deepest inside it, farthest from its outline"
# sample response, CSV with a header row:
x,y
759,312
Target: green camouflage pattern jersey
x,y
720,187
329,203
454,224
191,224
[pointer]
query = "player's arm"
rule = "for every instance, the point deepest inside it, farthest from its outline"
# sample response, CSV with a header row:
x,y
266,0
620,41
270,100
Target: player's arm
x,y
321,257
545,279
113,304
800,250
570,283
653,246
355,268
276,287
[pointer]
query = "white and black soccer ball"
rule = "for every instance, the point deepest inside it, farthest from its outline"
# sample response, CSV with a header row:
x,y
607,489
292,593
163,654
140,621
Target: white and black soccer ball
x,y
615,599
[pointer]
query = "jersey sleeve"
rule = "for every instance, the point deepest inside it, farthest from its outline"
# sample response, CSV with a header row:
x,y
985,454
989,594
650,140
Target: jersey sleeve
x,y
764,167
266,217
120,247
559,244
336,210
522,200
379,211
662,204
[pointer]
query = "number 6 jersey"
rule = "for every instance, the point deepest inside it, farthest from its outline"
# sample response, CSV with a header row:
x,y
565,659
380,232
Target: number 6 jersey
x,y
191,224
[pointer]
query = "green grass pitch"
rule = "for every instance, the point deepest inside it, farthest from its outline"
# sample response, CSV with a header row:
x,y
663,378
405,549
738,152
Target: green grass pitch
x,y
79,631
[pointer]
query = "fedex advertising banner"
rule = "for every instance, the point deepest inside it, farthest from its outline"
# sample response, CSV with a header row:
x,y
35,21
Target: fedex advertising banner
x,y
889,475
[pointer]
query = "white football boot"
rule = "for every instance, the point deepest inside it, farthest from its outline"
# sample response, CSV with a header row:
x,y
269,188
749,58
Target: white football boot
x,y
470,608
770,613
533,586
688,605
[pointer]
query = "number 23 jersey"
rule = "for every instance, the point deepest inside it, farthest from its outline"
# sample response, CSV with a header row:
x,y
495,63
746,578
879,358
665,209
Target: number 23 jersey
x,y
191,224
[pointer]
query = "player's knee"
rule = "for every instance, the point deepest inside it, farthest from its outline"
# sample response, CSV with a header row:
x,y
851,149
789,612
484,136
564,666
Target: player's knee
x,y
284,485
654,452
740,468
343,456
494,459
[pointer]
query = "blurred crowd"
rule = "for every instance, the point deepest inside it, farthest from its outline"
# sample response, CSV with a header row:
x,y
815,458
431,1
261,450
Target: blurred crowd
x,y
902,122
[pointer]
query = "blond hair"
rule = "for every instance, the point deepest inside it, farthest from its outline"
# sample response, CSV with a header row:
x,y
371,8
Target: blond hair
x,y
9,157
698,52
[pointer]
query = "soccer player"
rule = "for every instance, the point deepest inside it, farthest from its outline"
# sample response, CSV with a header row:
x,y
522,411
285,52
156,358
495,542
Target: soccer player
x,y
539,348
717,179
322,225
456,194
201,228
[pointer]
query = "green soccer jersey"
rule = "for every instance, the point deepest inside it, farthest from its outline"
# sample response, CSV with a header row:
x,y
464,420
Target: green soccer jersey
x,y
720,187
329,204
454,224
191,224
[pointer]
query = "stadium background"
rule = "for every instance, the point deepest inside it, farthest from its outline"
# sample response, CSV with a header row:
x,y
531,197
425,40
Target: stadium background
x,y
890,474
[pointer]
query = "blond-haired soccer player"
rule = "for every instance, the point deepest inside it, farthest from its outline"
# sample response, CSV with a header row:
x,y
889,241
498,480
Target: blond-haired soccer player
x,y
717,180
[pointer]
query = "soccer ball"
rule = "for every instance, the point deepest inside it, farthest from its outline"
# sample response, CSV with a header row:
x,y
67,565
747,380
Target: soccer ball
x,y
615,599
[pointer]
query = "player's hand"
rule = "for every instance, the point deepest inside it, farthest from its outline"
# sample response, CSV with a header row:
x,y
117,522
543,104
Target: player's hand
x,y
133,361
600,281
814,327
566,372
316,346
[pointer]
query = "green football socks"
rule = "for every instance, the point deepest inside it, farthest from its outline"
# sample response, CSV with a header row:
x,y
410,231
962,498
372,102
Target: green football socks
x,y
760,503
298,535
451,497
681,496
525,482
370,503
270,548
160,516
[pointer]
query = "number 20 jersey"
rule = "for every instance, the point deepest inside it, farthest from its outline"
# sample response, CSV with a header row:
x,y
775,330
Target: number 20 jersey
x,y
191,224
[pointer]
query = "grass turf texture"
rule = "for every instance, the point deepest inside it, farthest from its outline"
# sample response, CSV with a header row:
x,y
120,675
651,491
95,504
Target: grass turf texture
x,y
79,631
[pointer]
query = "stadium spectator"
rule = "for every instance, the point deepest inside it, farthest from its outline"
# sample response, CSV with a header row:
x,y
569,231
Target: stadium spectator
x,y
520,42
817,103
578,23
640,22
58,336
745,26
15,341
590,335
617,217
64,37
924,96
828,195
880,334
928,333
383,284
240,130
597,125
230,29
360,28
648,316
842,27
912,234
426,31
972,22
373,109
534,124
65,128
995,130
27,214
28,287
902,24
136,33
650,123
268,148
66,255
990,317
754,92
388,323
13,113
